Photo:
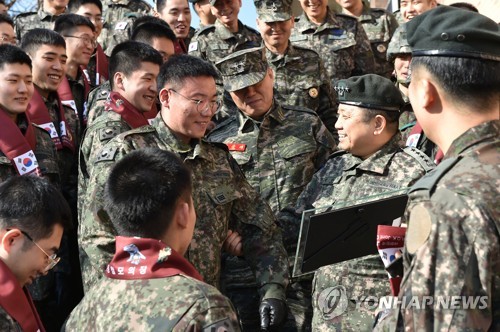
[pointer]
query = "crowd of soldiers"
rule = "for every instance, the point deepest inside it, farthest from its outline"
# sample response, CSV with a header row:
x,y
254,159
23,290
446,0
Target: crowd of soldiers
x,y
156,177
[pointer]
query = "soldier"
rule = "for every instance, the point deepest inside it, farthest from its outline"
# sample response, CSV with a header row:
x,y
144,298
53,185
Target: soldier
x,y
222,196
300,76
452,246
372,163
97,68
411,8
30,235
178,16
149,201
7,34
134,68
277,147
227,35
339,39
24,147
204,12
43,18
379,25
3,8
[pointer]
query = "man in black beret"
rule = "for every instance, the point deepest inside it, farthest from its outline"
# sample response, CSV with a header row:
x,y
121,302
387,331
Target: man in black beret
x,y
452,250
371,165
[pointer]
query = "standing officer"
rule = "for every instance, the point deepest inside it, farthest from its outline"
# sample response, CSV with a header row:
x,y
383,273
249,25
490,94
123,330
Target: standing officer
x,y
452,246
43,18
204,11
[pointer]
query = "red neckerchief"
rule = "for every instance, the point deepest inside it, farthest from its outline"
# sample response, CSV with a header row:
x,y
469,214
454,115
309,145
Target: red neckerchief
x,y
40,115
18,148
101,67
180,47
66,95
17,302
143,258
127,111
414,137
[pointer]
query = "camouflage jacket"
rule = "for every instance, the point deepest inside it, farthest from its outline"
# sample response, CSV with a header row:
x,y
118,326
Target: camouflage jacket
x,y
452,246
379,25
215,42
45,153
281,153
7,323
300,79
96,102
341,42
222,198
347,180
25,22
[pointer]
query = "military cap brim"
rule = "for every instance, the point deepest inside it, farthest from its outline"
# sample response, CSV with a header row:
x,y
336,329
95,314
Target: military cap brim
x,y
454,32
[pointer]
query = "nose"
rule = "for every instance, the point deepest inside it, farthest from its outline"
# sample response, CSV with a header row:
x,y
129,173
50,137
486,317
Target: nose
x,y
22,87
338,123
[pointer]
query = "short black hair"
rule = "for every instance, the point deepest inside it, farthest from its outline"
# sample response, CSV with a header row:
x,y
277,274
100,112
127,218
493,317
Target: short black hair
x,y
5,18
180,67
146,32
67,23
465,5
160,5
477,87
34,205
74,5
142,191
128,56
33,39
148,19
10,54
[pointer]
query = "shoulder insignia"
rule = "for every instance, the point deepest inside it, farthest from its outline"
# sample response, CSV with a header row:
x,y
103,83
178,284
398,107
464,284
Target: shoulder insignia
x,y
108,132
429,181
143,129
421,157
107,153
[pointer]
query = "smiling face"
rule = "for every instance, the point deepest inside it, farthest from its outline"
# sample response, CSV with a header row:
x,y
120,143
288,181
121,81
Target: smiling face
x,y
49,67
402,66
276,34
411,8
355,134
78,50
16,88
94,14
315,9
139,88
178,16
226,11
180,114
7,33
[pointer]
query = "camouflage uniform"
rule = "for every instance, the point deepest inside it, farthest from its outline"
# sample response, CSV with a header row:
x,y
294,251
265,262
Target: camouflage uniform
x,y
300,79
455,208
96,102
25,22
221,196
7,323
215,42
341,42
346,178
379,25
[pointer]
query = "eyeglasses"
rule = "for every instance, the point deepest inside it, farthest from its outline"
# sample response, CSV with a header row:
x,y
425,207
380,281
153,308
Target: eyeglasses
x,y
96,19
86,40
202,105
53,259
7,39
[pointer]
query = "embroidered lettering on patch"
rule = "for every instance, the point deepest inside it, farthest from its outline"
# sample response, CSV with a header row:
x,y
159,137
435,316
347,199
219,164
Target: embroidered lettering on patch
x,y
239,147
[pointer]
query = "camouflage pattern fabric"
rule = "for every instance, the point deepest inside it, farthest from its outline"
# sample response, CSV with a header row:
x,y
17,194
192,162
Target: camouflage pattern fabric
x,y
215,42
452,244
176,303
379,26
300,79
7,323
341,42
348,180
222,198
96,103
28,21
77,87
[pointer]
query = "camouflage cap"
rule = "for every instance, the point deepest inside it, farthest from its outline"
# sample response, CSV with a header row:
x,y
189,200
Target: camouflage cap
x,y
273,10
398,44
454,32
370,91
212,2
243,68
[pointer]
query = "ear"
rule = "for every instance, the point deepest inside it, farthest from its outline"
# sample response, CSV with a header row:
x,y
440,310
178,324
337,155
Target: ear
x,y
10,239
379,123
118,81
270,72
427,93
182,213
156,14
164,97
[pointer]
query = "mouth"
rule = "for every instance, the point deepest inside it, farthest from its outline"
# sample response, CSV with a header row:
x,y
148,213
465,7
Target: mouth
x,y
150,98
55,77
21,100
342,136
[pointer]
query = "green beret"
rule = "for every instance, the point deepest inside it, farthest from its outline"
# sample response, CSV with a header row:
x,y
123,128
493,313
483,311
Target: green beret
x,y
370,91
273,10
454,32
243,68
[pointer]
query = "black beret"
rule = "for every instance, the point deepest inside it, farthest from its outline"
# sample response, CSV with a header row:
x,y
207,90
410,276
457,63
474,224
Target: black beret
x,y
370,91
454,32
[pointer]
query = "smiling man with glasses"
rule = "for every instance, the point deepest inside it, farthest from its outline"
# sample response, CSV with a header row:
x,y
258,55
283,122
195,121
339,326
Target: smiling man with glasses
x,y
44,215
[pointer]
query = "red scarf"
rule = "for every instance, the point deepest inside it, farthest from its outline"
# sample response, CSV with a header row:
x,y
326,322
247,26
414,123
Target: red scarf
x,y
143,258
17,302
180,47
101,67
66,95
40,115
127,111
18,147
414,138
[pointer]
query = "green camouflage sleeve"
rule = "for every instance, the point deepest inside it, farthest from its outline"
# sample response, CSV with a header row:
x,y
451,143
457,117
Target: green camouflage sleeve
x,y
197,46
364,60
328,104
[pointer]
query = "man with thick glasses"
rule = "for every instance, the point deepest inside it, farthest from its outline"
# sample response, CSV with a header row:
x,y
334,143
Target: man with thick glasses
x,y
221,194
30,236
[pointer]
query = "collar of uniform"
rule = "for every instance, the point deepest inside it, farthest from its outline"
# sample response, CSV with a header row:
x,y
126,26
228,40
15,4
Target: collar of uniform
x,y
43,14
366,14
276,112
305,24
246,123
488,131
275,59
224,32
292,54
377,163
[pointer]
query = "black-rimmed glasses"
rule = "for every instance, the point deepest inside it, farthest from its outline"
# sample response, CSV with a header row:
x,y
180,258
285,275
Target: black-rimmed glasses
x,y
202,105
